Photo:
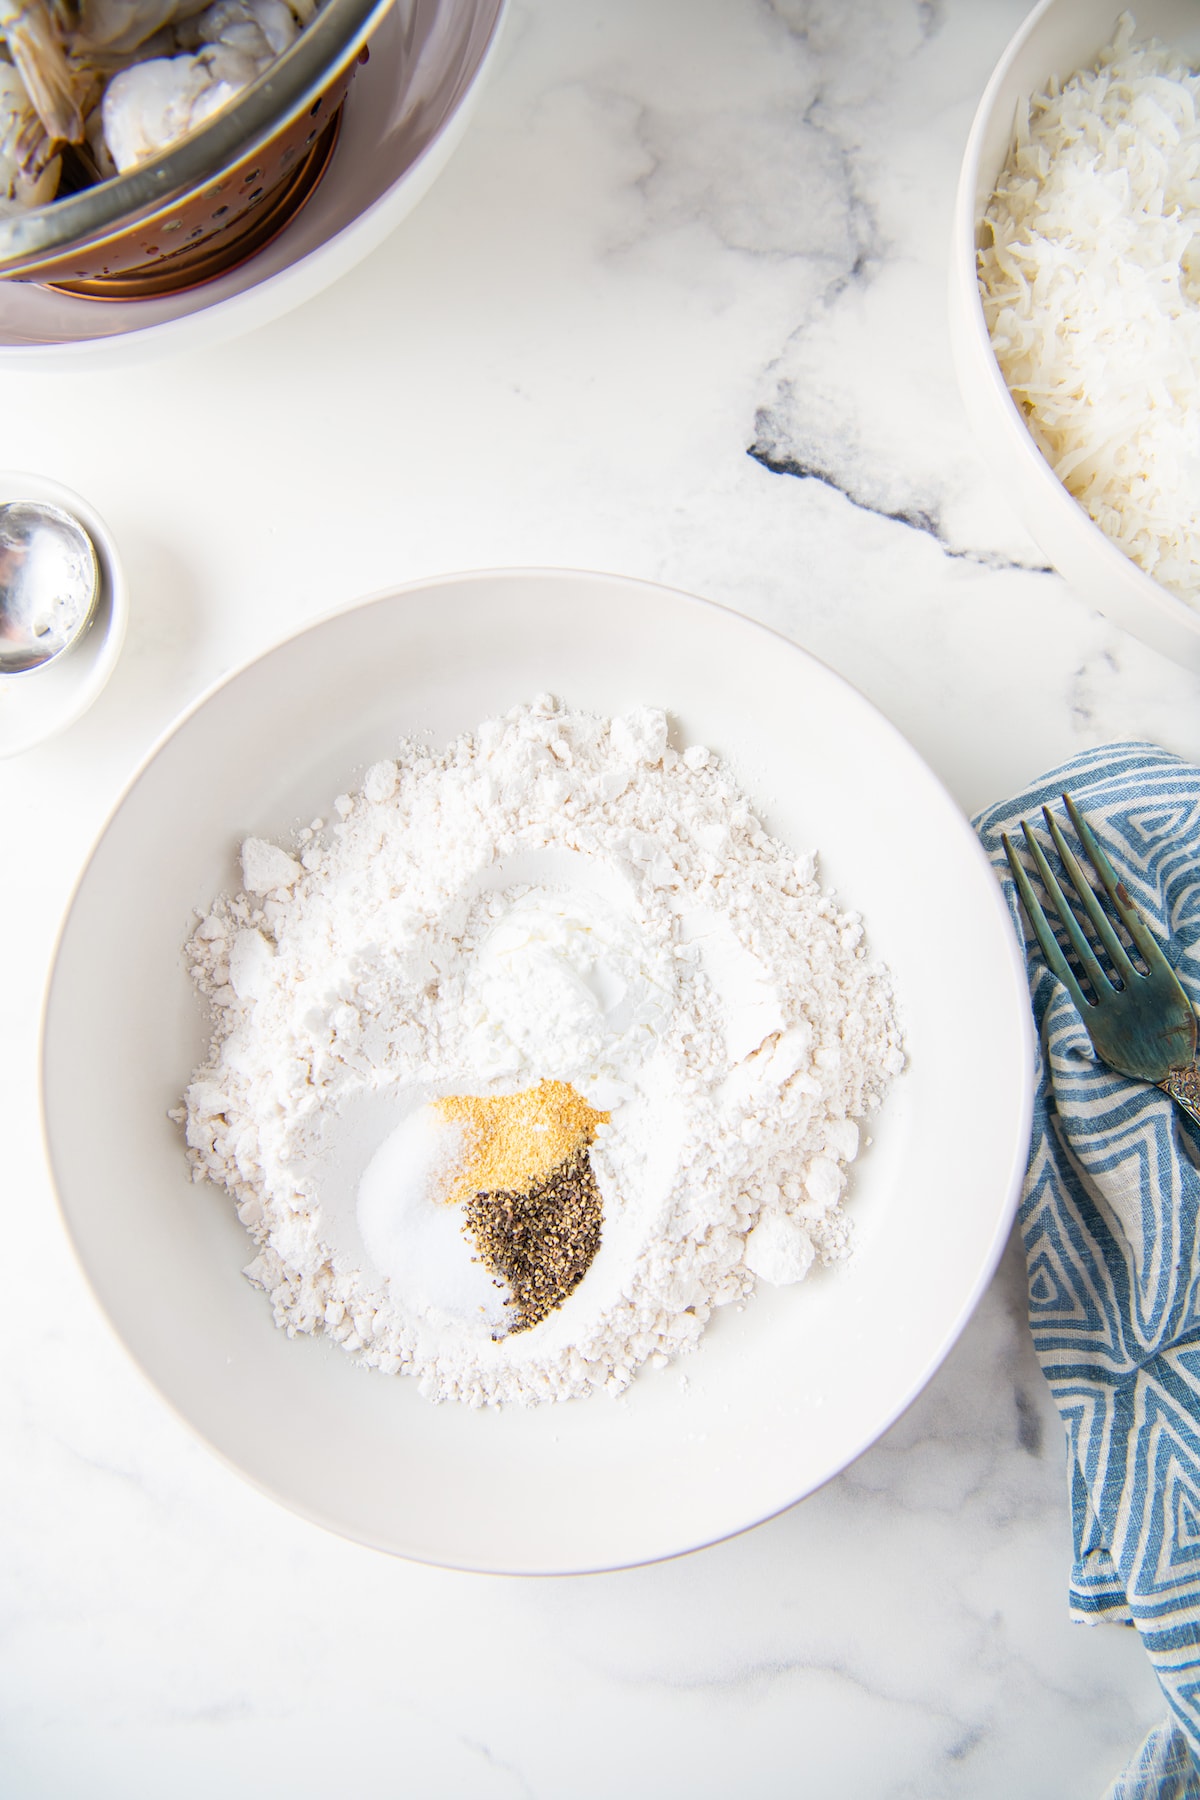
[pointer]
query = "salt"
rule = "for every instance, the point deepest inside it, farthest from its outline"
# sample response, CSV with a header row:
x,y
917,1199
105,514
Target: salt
x,y
415,1243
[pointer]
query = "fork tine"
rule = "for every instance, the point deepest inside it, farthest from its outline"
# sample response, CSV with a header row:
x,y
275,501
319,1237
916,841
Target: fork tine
x,y
1126,911
1047,942
1101,986
1088,900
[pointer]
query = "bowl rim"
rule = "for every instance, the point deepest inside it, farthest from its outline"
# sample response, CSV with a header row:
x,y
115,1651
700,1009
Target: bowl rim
x,y
977,363
322,51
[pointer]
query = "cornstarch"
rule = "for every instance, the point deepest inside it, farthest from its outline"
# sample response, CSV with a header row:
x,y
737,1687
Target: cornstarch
x,y
536,1053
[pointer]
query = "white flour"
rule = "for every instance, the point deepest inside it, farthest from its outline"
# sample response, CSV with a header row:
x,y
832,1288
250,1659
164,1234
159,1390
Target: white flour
x,y
558,898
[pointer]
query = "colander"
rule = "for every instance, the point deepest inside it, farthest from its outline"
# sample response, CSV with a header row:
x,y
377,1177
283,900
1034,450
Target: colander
x,y
217,195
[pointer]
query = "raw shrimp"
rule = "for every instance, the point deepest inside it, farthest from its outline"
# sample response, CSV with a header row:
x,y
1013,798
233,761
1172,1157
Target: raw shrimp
x,y
153,104
115,27
29,169
38,55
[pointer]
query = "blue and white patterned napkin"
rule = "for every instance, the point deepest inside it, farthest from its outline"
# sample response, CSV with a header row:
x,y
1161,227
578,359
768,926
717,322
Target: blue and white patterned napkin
x,y
1110,1219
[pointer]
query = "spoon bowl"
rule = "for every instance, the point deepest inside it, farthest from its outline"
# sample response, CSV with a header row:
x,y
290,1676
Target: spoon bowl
x,y
38,704
49,584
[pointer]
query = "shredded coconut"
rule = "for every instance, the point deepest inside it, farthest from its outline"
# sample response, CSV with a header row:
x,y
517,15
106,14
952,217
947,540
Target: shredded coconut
x,y
557,898
1091,292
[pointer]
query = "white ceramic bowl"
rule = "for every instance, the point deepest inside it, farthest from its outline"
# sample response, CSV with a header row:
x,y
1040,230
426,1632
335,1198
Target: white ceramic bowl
x,y
779,1397
406,112
1059,37
39,703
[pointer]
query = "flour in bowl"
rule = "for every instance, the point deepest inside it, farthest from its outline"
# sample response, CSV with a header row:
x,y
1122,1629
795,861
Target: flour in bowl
x,y
536,1054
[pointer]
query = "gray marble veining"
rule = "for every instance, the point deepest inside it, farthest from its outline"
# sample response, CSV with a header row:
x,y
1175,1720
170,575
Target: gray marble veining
x,y
675,309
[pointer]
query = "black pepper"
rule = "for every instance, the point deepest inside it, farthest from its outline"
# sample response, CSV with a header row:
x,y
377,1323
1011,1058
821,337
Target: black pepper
x,y
540,1244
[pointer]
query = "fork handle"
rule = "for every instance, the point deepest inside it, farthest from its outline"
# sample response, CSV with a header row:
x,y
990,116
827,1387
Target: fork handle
x,y
1183,1085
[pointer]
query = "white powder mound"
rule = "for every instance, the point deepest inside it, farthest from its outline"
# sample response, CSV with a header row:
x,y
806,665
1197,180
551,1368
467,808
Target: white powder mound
x,y
1091,292
557,898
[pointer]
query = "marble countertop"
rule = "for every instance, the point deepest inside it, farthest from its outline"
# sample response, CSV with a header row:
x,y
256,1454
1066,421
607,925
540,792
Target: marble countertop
x,y
675,309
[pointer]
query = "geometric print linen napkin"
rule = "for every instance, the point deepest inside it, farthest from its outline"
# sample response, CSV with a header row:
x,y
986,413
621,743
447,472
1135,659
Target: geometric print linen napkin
x,y
1110,1220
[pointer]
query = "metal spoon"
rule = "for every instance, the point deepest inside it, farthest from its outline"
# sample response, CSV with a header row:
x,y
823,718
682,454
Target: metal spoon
x,y
49,583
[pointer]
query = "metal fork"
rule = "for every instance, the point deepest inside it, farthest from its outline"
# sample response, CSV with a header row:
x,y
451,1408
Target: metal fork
x,y
1142,1025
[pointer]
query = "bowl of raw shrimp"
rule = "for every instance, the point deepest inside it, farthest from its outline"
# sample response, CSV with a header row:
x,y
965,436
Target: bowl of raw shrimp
x,y
147,146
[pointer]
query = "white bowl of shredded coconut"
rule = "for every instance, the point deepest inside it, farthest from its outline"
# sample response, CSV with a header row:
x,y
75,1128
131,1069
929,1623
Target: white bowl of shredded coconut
x,y
506,1078
1075,302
